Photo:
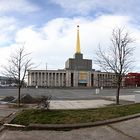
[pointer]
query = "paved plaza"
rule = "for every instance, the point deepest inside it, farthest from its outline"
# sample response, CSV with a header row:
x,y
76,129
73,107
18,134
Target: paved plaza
x,y
75,98
78,104
67,94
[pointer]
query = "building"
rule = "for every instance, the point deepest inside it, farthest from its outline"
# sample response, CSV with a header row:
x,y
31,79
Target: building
x,y
132,79
78,72
6,81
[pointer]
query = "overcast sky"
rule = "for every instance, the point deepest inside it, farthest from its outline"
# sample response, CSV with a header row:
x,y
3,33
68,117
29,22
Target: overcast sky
x,y
48,28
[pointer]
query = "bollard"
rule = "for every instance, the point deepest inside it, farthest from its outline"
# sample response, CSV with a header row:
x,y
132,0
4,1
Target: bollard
x,y
97,90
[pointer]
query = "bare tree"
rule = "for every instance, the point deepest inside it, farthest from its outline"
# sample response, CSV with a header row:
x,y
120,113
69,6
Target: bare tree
x,y
19,63
118,58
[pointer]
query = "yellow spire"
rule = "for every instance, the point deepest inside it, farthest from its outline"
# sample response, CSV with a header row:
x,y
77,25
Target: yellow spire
x,y
78,41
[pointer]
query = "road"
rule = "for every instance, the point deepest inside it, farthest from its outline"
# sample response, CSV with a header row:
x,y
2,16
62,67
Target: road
x,y
62,94
126,130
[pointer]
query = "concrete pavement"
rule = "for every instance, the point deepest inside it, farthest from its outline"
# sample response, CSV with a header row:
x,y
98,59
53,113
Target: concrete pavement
x,y
5,111
93,103
67,94
126,130
78,104
125,97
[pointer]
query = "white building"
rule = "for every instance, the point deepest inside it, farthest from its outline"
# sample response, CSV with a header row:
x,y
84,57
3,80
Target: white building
x,y
78,72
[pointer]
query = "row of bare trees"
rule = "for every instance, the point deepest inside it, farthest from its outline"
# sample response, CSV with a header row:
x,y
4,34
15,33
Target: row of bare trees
x,y
117,59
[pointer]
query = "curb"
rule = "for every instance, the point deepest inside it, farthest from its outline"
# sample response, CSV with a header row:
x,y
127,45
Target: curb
x,y
8,119
5,119
69,126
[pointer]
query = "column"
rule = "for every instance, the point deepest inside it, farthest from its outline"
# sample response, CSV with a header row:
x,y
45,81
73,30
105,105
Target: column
x,y
29,79
51,83
62,79
76,78
45,79
38,80
41,81
59,79
89,79
55,82
48,79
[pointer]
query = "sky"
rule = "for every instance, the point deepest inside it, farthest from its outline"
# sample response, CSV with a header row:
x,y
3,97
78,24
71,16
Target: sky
x,y
47,28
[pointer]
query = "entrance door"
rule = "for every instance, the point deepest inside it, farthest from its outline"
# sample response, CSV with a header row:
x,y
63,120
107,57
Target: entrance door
x,y
82,84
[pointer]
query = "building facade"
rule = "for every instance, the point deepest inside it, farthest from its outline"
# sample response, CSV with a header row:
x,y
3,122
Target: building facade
x,y
7,82
78,72
132,79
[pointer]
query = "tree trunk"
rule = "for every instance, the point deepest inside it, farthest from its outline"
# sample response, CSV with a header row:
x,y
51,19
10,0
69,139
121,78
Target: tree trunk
x,y
118,94
119,81
19,91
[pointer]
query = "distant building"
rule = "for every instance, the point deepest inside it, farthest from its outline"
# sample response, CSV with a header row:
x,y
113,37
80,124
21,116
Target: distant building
x,y
78,72
6,81
132,79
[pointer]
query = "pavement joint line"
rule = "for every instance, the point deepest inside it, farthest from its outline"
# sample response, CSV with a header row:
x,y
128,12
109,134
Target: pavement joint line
x,y
5,109
119,131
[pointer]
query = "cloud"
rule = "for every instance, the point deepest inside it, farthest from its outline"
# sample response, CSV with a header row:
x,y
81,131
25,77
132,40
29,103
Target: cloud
x,y
7,28
84,7
17,5
55,42
74,6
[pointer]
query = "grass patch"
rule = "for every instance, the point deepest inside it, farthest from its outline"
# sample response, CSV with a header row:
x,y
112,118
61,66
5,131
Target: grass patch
x,y
74,116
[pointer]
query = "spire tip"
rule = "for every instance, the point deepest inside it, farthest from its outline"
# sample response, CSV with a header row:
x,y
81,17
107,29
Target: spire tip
x,y
78,41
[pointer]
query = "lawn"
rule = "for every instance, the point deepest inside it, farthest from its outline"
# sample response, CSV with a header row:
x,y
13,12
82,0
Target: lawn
x,y
74,116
